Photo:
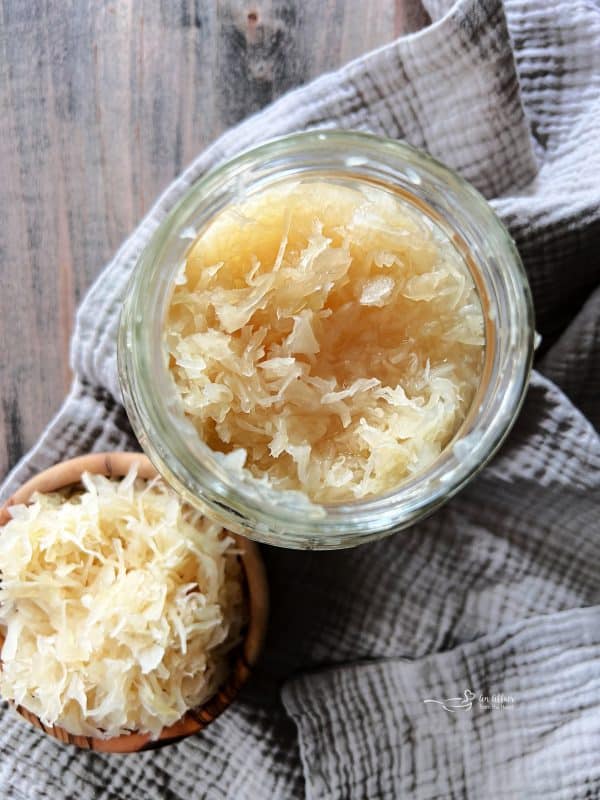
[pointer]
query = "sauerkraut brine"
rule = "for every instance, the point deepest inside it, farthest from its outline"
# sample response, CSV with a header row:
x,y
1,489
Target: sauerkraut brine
x,y
330,331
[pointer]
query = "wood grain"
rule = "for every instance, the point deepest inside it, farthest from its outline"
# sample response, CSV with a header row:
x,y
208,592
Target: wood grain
x,y
101,105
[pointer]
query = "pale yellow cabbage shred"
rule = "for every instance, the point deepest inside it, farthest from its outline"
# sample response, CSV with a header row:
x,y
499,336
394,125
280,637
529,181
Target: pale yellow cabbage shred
x,y
332,333
119,607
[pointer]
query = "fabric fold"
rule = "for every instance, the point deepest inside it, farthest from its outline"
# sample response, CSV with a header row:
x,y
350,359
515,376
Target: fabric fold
x,y
573,363
515,714
479,595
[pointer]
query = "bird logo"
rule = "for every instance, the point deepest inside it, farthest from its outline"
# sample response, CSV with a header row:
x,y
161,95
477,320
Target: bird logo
x,y
454,704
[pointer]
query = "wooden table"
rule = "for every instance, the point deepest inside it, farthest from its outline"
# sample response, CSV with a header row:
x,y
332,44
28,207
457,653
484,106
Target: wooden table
x,y
101,105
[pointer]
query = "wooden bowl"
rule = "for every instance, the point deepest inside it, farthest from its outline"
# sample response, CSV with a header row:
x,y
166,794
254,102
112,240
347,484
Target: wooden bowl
x,y
68,473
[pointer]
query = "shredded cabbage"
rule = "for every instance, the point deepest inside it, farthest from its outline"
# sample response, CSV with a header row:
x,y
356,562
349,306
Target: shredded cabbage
x,y
336,337
119,606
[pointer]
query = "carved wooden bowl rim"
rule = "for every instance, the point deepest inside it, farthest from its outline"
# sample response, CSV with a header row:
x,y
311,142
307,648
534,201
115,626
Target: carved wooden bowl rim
x,y
117,464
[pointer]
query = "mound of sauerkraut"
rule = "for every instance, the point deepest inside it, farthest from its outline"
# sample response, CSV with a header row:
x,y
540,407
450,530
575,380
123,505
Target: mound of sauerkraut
x,y
119,606
332,333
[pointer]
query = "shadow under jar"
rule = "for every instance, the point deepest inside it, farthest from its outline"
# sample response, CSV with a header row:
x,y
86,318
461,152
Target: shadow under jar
x,y
286,518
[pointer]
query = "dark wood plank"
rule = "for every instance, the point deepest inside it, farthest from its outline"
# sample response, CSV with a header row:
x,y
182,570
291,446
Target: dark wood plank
x,y
101,105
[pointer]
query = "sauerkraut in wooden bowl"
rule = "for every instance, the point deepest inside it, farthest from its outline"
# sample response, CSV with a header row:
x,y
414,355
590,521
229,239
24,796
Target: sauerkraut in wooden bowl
x,y
127,619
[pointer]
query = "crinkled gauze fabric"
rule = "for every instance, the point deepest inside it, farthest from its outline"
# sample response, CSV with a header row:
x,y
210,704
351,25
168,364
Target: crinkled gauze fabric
x,y
461,657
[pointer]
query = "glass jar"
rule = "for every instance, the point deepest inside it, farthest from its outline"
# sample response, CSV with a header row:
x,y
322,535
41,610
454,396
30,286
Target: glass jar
x,y
288,519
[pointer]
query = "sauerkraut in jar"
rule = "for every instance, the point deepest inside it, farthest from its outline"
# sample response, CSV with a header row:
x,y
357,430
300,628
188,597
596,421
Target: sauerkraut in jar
x,y
331,332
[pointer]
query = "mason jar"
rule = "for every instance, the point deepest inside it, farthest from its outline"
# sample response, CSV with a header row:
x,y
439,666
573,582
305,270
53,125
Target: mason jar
x,y
286,518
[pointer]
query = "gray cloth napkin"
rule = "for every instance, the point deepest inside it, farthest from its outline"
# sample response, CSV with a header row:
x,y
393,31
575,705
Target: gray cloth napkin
x,y
460,658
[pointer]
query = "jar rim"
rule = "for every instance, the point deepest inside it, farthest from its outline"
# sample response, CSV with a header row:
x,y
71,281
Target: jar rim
x,y
496,267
